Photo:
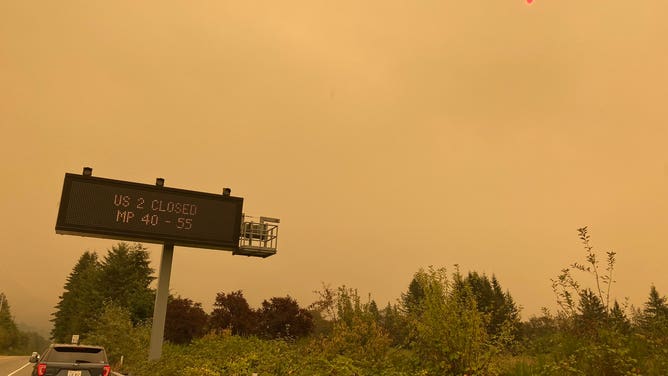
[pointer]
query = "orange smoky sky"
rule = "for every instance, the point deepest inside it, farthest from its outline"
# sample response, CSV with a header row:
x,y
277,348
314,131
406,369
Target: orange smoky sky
x,y
386,136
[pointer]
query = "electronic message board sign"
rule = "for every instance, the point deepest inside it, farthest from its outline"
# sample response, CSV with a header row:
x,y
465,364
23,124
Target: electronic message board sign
x,y
106,208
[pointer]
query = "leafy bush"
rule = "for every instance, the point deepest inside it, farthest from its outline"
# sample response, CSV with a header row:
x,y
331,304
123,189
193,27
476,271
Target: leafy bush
x,y
449,332
121,339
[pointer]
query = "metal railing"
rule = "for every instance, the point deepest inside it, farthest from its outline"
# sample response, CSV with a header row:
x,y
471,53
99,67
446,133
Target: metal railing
x,y
258,239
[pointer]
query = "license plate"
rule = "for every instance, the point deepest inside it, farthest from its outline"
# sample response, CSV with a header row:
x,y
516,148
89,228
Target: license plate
x,y
73,373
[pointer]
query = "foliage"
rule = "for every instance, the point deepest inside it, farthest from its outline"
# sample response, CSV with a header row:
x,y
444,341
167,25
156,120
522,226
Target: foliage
x,y
412,299
125,277
120,337
31,341
232,312
395,324
568,289
605,353
449,335
591,313
283,318
13,341
185,320
9,333
595,337
122,277
278,317
356,344
357,341
224,354
651,335
443,324
498,306
80,300
655,314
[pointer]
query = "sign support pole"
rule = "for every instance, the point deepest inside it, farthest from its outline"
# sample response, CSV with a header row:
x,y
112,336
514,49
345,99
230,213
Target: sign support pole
x,y
160,308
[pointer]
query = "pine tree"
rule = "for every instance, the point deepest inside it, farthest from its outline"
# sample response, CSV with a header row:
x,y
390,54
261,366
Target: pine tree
x,y
591,312
655,313
618,319
9,334
491,300
413,298
79,301
394,322
125,277
656,306
653,326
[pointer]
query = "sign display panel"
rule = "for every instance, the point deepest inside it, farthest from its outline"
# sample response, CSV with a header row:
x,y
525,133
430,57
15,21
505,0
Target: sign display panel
x,y
107,208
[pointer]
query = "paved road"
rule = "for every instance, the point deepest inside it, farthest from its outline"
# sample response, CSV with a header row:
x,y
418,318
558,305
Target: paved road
x,y
15,366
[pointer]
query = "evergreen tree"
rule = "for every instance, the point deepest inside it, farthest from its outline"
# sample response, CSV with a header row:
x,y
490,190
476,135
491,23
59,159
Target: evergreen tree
x,y
79,301
653,328
497,305
394,323
505,310
373,309
618,319
9,333
124,278
591,313
411,301
653,319
655,307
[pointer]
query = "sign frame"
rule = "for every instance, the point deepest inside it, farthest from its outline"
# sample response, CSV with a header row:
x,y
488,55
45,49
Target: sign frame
x,y
64,227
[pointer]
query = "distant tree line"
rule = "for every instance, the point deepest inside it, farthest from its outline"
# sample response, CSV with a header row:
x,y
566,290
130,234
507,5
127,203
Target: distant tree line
x,y
14,341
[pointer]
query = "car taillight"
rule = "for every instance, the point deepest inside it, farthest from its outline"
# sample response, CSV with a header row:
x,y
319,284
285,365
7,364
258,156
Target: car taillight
x,y
106,370
41,369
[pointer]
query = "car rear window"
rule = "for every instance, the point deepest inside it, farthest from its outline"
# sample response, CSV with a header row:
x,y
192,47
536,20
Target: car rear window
x,y
69,354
